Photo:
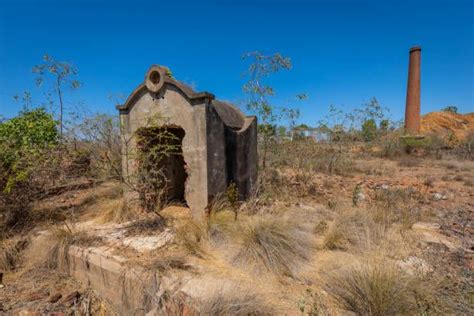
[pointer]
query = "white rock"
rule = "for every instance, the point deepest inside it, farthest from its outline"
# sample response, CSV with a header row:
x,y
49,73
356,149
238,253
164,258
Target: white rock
x,y
148,243
426,226
438,196
414,266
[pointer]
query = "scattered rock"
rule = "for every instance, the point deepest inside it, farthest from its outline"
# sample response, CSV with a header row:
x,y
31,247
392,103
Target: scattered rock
x,y
426,226
438,196
360,196
414,266
56,297
434,238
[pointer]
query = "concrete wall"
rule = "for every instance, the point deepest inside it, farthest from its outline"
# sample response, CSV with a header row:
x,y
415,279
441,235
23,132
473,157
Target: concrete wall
x,y
242,156
216,155
219,145
174,109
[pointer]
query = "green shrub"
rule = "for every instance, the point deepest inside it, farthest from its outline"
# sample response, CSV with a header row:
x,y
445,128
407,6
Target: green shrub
x,y
450,108
369,130
411,144
22,142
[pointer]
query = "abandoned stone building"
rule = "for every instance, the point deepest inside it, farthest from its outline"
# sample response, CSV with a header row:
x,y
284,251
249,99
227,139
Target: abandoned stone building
x,y
217,141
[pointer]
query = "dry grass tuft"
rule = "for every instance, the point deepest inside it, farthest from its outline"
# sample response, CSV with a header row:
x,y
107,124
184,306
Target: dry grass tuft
x,y
380,289
408,161
10,254
231,303
371,290
273,245
397,206
117,211
341,234
65,237
192,236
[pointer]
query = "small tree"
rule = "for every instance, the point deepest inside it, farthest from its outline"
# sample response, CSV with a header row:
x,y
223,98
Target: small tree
x,y
369,130
450,108
261,67
22,139
384,125
62,74
25,164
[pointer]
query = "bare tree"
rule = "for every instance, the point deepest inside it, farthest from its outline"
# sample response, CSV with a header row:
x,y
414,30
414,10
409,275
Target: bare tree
x,y
62,74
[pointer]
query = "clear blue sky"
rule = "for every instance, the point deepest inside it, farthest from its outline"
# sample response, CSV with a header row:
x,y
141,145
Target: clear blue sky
x,y
343,52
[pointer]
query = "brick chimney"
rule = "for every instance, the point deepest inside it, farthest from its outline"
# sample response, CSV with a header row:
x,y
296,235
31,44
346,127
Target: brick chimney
x,y
412,109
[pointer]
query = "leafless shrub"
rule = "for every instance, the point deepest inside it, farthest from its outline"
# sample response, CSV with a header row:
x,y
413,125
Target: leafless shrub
x,y
397,206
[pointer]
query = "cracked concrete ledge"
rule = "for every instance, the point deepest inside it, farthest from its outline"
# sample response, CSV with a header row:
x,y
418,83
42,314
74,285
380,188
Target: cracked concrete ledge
x,y
127,289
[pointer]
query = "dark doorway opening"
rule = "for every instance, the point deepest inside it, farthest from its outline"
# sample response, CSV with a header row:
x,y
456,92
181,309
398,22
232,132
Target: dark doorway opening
x,y
162,169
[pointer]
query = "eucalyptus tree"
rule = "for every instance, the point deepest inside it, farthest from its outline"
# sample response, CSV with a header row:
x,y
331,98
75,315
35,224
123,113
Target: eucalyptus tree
x,y
62,75
260,69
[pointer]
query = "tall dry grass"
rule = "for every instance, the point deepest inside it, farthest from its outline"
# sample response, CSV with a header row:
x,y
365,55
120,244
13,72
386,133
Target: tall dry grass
x,y
65,237
272,244
379,288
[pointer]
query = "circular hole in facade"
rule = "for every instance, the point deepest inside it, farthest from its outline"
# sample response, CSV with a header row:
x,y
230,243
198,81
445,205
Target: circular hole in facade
x,y
155,77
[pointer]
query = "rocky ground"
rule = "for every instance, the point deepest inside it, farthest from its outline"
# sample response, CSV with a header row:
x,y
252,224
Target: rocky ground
x,y
417,215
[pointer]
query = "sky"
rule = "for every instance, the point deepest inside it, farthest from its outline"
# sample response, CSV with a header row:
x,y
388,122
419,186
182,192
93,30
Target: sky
x,y
343,52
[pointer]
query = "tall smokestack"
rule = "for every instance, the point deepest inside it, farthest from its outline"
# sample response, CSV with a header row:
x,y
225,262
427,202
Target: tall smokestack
x,y
412,109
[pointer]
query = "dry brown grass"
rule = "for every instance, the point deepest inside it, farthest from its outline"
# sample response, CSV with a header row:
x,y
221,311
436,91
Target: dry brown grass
x,y
342,232
192,237
380,289
11,254
397,206
117,211
272,244
234,302
65,237
408,161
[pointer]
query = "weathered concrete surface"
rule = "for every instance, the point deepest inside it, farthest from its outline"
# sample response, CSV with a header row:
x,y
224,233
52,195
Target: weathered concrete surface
x,y
123,287
412,109
219,145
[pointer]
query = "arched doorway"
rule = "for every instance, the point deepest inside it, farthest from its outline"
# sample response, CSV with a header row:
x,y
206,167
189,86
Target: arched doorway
x,y
161,167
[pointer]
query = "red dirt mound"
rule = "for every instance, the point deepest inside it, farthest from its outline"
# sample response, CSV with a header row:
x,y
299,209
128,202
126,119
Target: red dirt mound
x,y
447,123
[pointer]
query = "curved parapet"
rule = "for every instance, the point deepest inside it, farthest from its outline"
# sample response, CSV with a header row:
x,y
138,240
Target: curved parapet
x,y
229,114
156,79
